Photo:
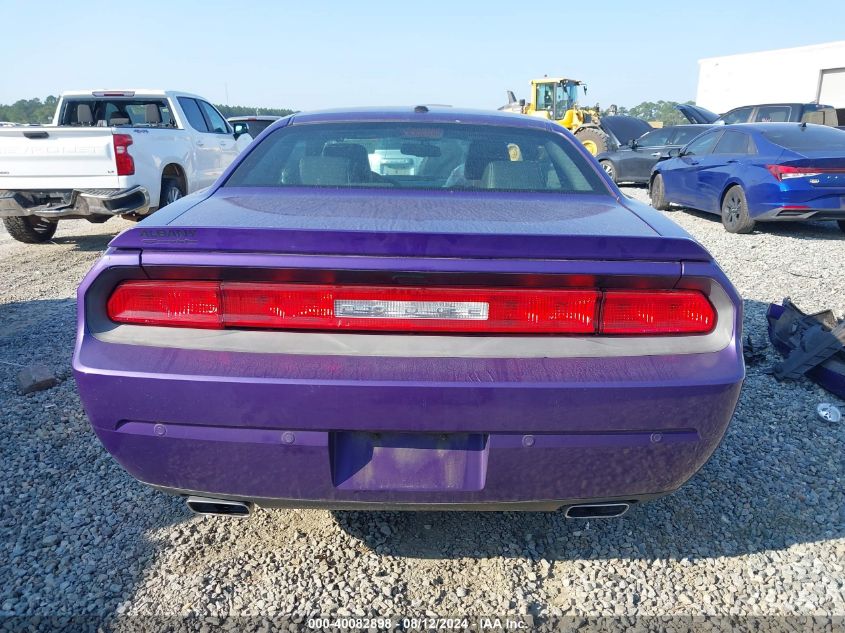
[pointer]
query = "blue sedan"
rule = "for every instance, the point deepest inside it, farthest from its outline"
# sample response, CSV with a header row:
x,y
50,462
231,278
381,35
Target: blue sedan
x,y
758,172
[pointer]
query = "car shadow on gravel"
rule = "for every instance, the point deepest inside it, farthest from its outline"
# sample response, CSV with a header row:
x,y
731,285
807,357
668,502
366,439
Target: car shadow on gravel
x,y
86,243
775,481
801,230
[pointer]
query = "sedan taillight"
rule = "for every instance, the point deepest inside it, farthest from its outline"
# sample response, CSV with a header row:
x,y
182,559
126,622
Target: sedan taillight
x,y
218,305
787,172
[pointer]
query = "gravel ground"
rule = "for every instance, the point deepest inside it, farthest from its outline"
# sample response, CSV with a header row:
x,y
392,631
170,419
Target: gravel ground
x,y
759,531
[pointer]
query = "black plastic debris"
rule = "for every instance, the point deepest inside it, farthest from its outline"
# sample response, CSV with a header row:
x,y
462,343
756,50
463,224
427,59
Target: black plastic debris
x,y
754,350
811,344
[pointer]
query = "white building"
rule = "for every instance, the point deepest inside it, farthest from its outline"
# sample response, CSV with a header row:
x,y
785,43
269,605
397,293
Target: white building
x,y
790,75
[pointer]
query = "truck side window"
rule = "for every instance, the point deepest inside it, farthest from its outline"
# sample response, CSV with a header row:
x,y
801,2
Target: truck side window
x,y
765,114
217,123
739,115
193,114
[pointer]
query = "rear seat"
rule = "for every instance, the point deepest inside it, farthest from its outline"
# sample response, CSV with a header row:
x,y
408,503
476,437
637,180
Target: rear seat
x,y
504,174
84,115
325,170
358,157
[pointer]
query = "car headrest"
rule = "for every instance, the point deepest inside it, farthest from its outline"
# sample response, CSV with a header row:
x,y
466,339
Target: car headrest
x,y
357,155
502,174
152,115
84,115
325,170
480,154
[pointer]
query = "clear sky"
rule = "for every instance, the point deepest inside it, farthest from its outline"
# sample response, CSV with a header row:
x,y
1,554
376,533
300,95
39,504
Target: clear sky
x,y
313,54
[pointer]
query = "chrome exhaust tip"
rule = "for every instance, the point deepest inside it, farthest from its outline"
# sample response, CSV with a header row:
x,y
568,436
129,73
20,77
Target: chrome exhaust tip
x,y
219,507
597,510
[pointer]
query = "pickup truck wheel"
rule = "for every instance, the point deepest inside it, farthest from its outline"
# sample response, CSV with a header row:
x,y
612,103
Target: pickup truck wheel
x,y
594,139
171,191
658,194
735,216
30,229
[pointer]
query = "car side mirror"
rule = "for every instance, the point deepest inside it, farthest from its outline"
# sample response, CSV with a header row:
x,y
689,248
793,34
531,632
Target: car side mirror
x,y
675,152
239,130
633,143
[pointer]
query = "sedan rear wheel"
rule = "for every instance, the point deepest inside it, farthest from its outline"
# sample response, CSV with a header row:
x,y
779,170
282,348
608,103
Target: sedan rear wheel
x,y
657,193
609,169
735,216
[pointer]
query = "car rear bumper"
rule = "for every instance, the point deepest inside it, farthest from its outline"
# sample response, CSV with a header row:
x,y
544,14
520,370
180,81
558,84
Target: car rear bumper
x,y
74,203
335,427
332,432
795,205
416,505
791,214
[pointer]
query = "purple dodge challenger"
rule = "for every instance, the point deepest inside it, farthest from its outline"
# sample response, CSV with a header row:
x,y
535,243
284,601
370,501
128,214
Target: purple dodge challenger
x,y
421,308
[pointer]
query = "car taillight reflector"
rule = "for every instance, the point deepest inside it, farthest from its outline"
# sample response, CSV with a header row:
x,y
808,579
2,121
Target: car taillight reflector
x,y
122,158
651,312
209,304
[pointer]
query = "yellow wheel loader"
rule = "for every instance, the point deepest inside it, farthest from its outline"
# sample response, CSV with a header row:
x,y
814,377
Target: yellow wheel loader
x,y
556,99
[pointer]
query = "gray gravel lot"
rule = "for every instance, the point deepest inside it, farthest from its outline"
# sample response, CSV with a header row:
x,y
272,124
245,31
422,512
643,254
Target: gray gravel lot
x,y
759,531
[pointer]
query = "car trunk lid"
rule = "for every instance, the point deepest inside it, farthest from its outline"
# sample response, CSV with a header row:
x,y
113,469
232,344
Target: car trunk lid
x,y
413,224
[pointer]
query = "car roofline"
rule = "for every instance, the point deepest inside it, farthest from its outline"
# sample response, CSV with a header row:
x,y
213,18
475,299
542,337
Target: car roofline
x,y
413,114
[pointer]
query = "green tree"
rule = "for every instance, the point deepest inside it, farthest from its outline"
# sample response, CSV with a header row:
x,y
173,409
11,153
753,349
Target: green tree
x,y
228,111
655,112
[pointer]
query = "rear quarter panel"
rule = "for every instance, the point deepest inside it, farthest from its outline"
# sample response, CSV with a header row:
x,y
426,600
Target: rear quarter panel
x,y
153,149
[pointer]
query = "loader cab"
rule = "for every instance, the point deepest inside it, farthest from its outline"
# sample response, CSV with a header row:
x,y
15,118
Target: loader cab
x,y
555,97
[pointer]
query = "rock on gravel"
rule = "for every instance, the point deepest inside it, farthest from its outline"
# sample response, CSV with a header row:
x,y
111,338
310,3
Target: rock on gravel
x,y
760,530
35,378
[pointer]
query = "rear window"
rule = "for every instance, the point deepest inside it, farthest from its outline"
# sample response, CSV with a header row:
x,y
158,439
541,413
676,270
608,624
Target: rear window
x,y
417,156
116,112
807,137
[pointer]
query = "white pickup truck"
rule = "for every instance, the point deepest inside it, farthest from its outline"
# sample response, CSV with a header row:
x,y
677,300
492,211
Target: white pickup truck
x,y
108,153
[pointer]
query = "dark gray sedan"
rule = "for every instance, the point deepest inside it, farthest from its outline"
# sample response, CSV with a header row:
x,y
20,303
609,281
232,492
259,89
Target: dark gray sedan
x,y
633,162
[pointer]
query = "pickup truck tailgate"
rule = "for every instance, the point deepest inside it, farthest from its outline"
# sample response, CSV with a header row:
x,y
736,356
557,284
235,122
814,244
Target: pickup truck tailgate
x,y
50,158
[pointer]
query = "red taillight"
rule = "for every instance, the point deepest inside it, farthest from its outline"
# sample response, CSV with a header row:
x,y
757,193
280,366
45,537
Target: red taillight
x,y
653,312
122,158
787,172
327,307
181,303
208,304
